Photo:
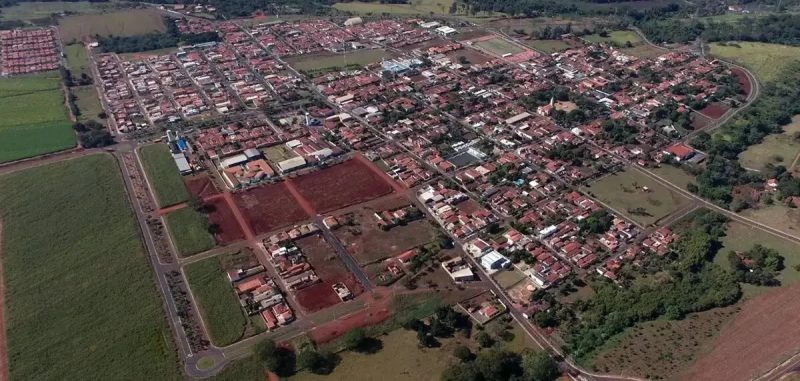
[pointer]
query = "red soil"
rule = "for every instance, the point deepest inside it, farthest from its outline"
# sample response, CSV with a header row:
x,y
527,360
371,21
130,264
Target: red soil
x,y
744,81
372,315
352,182
330,271
761,336
200,186
223,216
269,207
714,110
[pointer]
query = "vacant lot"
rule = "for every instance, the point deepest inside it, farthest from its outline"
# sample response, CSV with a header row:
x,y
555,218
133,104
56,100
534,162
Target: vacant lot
x,y
227,229
330,271
508,278
714,110
163,175
675,175
662,348
34,120
121,23
498,46
348,183
332,61
625,191
217,301
269,207
778,149
761,336
189,231
617,38
414,7
766,60
81,298
246,369
777,216
200,186
548,46
78,59
643,50
87,102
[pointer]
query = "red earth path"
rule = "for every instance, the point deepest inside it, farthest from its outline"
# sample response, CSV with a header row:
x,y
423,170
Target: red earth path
x,y
248,231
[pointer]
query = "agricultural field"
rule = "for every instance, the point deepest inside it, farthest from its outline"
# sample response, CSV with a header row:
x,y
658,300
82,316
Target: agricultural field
x,y
617,38
414,7
189,231
87,102
128,22
777,149
662,349
35,120
216,300
767,61
163,175
269,207
498,46
86,284
637,196
32,11
324,62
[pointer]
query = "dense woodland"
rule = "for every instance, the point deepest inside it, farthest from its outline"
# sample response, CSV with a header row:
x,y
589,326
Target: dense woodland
x,y
775,28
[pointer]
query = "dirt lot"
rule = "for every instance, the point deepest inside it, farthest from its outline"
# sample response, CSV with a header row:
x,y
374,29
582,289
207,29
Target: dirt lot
x,y
269,207
473,56
714,110
222,216
368,243
200,186
329,269
744,81
763,334
352,182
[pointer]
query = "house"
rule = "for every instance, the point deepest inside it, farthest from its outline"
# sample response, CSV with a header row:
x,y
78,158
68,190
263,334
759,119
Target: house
x,y
459,270
680,151
445,31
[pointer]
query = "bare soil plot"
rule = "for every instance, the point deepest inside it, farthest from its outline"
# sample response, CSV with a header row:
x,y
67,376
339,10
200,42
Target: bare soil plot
x,y
761,336
744,80
473,56
227,228
714,110
200,186
700,121
269,207
352,182
330,270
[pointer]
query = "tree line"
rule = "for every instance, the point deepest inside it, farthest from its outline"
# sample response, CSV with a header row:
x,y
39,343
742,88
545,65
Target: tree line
x,y
155,40
774,28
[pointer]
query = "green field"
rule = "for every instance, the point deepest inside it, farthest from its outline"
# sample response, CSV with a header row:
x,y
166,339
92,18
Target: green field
x,y
81,298
27,11
189,231
625,192
414,7
674,175
78,59
643,50
163,176
121,23
246,369
548,46
217,301
498,46
87,102
778,149
617,38
329,62
34,119
766,60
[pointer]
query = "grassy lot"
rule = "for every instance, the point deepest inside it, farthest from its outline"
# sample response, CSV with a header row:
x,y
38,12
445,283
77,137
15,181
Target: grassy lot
x,y
617,38
34,120
163,175
643,50
662,349
777,149
498,46
625,192
674,175
81,298
122,23
414,7
246,369
78,59
766,60
330,62
278,153
88,103
189,231
548,46
27,11
217,301
508,278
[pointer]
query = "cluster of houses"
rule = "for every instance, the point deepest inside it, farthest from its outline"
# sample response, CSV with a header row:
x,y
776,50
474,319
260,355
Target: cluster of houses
x,y
258,295
120,103
25,51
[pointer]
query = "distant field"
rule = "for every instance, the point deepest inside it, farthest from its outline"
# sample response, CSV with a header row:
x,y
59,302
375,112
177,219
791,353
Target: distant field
x,y
121,23
674,175
625,192
766,60
189,231
414,7
78,59
34,119
778,149
163,175
88,103
617,38
548,46
499,46
27,11
81,298
217,301
643,50
332,61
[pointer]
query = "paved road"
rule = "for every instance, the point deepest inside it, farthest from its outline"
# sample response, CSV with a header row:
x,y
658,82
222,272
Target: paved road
x,y
343,255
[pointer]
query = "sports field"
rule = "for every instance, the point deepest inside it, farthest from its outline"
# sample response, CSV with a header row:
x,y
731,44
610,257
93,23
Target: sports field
x,y
778,149
163,176
498,46
332,61
34,119
766,60
189,231
637,196
217,301
121,23
81,298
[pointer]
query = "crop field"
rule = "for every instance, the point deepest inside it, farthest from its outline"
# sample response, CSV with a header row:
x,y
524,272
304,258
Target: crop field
x,y
330,271
35,120
777,149
352,182
216,300
766,60
121,23
163,175
625,191
269,207
28,11
498,46
414,7
662,349
88,103
618,38
227,228
741,237
189,231
332,61
81,298
762,335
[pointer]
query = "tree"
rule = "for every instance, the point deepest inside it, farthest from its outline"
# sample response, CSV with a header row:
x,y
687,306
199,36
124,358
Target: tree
x,y
460,372
484,340
317,362
463,353
355,340
498,365
539,366
276,359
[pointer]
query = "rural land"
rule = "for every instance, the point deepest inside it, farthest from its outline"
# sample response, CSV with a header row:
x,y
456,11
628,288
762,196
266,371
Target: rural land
x,y
453,190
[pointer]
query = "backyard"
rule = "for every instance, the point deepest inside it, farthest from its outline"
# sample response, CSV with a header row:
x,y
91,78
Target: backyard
x,y
163,175
81,297
189,231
